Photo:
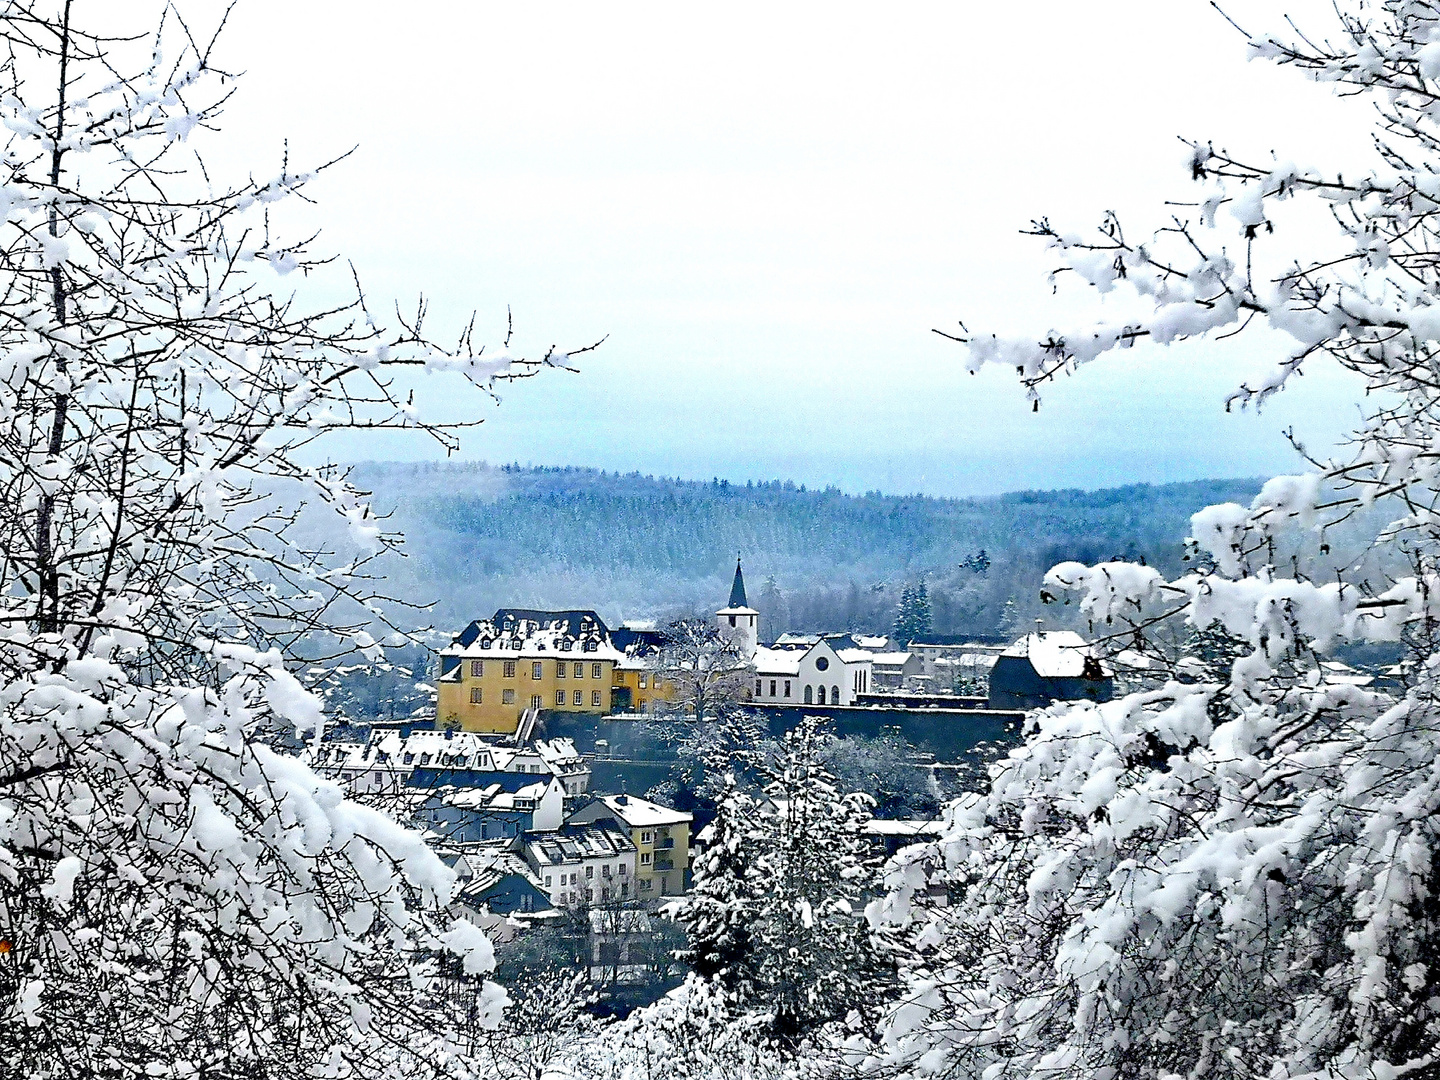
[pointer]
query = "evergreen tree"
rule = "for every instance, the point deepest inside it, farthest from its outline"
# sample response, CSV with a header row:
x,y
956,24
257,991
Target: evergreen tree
x,y
776,914
921,616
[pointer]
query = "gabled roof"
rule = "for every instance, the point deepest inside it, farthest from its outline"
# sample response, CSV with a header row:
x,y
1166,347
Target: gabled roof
x,y
1054,654
640,813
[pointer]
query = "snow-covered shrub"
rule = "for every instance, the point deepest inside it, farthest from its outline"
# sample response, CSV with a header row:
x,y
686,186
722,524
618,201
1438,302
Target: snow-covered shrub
x,y
1231,872
177,898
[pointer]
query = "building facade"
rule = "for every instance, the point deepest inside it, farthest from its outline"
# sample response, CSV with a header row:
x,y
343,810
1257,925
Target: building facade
x,y
660,835
498,670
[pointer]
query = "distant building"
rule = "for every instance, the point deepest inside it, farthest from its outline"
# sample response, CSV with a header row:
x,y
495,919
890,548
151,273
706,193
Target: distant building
x,y
810,674
506,808
519,663
737,620
1046,666
423,758
584,864
897,671
497,880
661,837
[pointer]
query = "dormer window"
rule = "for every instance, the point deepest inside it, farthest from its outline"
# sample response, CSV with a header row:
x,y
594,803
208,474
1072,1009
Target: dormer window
x,y
484,643
424,759
409,759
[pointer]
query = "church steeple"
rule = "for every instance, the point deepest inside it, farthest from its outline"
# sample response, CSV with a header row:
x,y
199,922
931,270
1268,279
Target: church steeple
x,y
739,623
737,590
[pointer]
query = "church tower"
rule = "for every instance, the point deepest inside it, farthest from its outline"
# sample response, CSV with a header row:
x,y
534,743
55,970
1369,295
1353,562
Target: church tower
x,y
738,621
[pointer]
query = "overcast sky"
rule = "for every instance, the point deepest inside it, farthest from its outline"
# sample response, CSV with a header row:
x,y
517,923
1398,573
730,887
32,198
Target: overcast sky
x,y
767,208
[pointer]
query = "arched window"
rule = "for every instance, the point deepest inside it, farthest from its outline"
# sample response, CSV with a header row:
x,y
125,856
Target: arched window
x,y
834,695
821,699
809,694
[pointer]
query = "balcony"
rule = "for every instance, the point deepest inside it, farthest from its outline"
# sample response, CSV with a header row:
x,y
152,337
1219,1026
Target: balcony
x,y
666,843
664,864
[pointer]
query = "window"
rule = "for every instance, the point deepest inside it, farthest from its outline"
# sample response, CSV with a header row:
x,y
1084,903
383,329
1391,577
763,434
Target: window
x,y
622,869
559,669
787,687
579,698
644,858
809,693
547,881
821,663
476,696
424,759
507,697
509,669
820,696
624,888
834,695
732,620
772,687
535,701
646,837
595,698
595,671
645,884
574,877
409,758
579,670
535,671
477,668
605,870
642,682
559,698
758,690
590,895
590,871
605,895
485,644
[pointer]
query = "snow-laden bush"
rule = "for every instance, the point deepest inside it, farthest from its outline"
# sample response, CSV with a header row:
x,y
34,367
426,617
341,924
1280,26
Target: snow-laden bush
x,y
177,898
1229,876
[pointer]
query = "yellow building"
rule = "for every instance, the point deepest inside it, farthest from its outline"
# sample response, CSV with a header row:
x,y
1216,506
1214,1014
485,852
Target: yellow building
x,y
638,689
498,669
661,837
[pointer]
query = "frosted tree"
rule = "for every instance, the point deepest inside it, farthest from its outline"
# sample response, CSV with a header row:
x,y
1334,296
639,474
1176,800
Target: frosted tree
x,y
1231,873
776,916
176,898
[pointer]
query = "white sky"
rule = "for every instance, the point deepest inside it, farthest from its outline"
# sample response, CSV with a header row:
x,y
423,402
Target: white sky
x,y
768,207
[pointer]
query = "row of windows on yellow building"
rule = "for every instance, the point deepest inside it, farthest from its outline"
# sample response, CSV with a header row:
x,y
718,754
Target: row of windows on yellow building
x,y
489,695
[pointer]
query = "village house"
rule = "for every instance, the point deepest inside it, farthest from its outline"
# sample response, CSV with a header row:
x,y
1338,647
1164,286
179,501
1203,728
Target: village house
x,y
510,807
1046,666
660,835
584,864
506,669
425,758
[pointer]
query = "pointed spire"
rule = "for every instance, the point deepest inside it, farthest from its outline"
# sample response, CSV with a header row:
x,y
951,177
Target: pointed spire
x,y
737,590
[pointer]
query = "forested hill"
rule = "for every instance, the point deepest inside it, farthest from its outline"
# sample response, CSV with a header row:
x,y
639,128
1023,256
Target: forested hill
x,y
632,546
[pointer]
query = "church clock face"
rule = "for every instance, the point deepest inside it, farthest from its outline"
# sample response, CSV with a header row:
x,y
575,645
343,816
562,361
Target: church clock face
x,y
821,663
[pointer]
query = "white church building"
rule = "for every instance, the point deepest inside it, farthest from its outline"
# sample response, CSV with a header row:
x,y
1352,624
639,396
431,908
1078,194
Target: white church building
x,y
801,673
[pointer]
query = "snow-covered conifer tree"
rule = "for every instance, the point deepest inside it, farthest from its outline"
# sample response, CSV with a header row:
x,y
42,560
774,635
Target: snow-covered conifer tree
x,y
777,918
177,898
1233,872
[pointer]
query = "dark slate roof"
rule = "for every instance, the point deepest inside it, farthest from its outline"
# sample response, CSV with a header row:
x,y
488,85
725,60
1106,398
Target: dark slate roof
x,y
737,590
571,619
637,642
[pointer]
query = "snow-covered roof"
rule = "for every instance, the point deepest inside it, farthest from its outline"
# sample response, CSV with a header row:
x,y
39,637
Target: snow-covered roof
x,y
531,641
855,656
494,797
875,643
890,659
769,661
642,813
577,843
915,828
1054,654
